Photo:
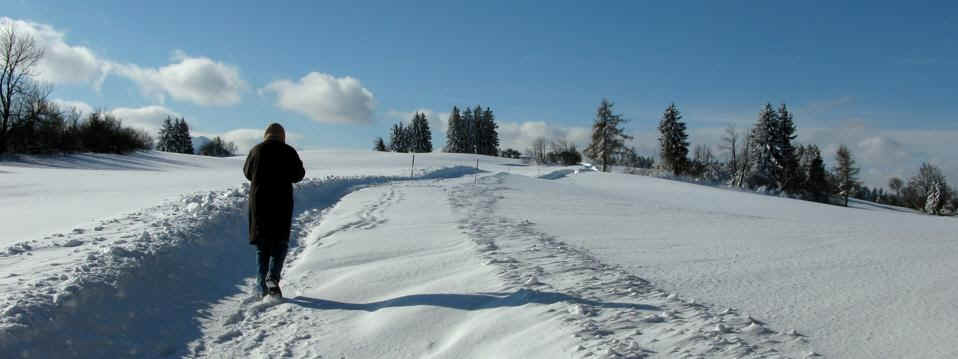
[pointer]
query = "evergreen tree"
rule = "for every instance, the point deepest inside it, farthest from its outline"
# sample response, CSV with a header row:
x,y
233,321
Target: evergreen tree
x,y
454,132
762,141
816,177
420,137
379,145
397,138
786,171
488,136
608,137
182,141
175,136
469,131
167,131
673,141
845,172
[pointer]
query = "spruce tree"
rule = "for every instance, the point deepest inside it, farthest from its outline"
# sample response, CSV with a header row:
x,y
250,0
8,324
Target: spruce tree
x,y
179,140
673,141
397,138
454,132
763,139
608,137
167,131
420,136
379,145
488,143
785,171
816,177
469,131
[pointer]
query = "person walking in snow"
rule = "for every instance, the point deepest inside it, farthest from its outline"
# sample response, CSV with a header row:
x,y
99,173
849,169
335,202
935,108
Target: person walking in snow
x,y
272,167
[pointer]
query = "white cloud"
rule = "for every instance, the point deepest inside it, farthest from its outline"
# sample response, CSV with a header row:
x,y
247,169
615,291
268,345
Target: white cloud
x,y
149,118
325,98
61,63
199,80
66,105
246,138
519,136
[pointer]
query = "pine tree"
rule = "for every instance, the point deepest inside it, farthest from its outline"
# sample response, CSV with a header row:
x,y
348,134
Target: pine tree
x,y
182,140
673,141
762,141
454,132
175,136
787,175
488,137
608,137
845,172
379,145
420,137
469,133
816,177
397,138
166,143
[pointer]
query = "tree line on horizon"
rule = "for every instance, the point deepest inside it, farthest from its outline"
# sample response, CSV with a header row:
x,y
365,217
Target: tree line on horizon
x,y
414,137
766,158
471,131
31,123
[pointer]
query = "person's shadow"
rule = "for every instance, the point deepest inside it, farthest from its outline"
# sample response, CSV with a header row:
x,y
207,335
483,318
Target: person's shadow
x,y
475,301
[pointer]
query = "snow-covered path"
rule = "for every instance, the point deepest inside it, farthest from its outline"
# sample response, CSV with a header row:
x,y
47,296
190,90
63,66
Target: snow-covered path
x,y
380,277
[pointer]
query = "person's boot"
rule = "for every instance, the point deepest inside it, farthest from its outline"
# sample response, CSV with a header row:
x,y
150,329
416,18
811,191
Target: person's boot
x,y
273,288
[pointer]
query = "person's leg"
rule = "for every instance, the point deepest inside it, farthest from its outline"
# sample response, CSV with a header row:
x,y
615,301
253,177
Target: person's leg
x,y
262,257
278,254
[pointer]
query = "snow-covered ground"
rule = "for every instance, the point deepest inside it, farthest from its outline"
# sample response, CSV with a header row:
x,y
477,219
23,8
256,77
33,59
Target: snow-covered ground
x,y
146,256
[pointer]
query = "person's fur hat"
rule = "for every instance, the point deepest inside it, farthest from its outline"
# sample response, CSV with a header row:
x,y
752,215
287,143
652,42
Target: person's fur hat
x,y
275,131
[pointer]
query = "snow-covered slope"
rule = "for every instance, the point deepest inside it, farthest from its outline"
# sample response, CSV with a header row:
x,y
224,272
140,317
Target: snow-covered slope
x,y
146,256
861,282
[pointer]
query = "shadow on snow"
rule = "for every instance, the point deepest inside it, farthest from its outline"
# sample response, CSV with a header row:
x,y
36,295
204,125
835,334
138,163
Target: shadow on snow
x,y
475,301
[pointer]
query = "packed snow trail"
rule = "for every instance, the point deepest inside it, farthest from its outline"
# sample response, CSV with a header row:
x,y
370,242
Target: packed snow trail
x,y
395,271
386,274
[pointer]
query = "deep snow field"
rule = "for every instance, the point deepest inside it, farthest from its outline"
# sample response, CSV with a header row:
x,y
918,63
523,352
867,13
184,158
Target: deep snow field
x,y
146,256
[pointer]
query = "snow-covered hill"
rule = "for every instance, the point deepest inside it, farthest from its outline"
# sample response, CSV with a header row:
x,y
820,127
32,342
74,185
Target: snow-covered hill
x,y
146,256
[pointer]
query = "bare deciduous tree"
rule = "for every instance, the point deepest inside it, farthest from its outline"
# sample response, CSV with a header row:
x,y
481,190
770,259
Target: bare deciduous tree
x,y
18,55
538,150
896,185
730,144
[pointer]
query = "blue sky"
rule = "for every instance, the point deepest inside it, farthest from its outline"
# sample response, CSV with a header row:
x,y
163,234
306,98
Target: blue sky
x,y
877,76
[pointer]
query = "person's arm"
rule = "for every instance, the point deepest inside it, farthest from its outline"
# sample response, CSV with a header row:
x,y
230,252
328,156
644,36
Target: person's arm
x,y
298,172
248,166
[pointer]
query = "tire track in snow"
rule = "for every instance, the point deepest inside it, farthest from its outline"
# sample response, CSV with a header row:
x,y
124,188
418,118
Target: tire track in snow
x,y
616,314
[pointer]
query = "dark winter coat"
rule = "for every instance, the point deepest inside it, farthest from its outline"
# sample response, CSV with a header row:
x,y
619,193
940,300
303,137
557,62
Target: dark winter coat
x,y
272,166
